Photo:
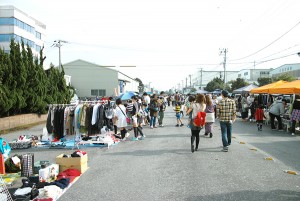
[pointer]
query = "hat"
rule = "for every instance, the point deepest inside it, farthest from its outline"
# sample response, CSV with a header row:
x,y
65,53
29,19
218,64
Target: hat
x,y
225,93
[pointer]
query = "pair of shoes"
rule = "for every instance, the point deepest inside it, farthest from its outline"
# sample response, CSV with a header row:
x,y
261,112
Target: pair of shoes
x,y
192,148
151,127
293,133
154,126
161,125
225,149
141,138
280,130
134,139
196,149
177,125
210,135
124,139
181,125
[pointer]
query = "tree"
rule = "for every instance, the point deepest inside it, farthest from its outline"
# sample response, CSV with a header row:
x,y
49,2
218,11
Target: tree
x,y
216,83
285,76
264,81
238,83
141,85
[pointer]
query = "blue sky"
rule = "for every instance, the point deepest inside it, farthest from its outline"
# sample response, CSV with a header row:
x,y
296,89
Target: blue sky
x,y
169,39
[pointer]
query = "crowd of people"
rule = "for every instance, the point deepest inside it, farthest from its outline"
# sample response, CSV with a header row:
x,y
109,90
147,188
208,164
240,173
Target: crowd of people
x,y
149,111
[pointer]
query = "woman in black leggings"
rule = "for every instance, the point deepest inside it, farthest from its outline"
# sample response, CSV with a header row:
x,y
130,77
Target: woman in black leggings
x,y
198,106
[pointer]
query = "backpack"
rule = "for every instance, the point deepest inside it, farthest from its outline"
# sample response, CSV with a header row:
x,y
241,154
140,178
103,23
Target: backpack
x,y
153,107
199,120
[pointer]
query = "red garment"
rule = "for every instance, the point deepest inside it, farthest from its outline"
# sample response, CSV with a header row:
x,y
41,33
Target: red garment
x,y
259,114
70,172
63,175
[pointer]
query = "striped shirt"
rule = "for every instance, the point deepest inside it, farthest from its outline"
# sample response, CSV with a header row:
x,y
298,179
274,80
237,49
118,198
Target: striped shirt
x,y
226,109
177,109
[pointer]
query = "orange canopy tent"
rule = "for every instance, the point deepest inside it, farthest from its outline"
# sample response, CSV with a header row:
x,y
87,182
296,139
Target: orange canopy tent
x,y
287,88
265,89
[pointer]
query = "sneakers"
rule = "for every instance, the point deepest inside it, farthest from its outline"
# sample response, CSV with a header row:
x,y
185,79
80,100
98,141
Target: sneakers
x,y
280,130
124,139
225,149
155,127
127,134
161,125
293,133
134,139
177,125
181,125
151,127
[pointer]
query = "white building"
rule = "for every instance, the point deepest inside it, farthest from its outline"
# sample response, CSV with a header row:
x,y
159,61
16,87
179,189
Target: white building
x,y
91,80
251,75
292,69
17,25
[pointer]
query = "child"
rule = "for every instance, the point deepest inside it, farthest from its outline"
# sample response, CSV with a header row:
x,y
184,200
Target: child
x,y
178,114
259,116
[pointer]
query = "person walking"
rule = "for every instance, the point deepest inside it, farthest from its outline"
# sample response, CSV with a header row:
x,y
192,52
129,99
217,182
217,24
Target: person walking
x,y
210,116
161,113
227,115
121,118
245,107
197,106
178,115
153,107
259,117
134,116
276,111
295,114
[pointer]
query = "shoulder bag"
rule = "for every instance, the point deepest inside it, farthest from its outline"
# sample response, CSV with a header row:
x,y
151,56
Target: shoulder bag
x,y
127,118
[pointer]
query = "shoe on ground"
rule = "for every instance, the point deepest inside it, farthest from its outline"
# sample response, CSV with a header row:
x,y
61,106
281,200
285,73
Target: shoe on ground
x,y
134,139
293,133
192,148
206,134
210,135
177,125
154,126
127,134
181,125
161,125
151,127
196,149
280,130
141,138
124,139
225,149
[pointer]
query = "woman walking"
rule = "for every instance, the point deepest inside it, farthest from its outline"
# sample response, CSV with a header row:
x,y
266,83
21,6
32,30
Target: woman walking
x,y
154,107
198,106
210,116
121,118
245,107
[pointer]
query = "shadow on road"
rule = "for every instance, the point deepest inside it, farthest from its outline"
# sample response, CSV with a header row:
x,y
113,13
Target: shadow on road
x,y
276,195
151,152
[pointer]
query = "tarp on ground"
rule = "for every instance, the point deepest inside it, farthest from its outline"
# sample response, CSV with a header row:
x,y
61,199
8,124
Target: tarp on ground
x,y
265,89
244,89
287,88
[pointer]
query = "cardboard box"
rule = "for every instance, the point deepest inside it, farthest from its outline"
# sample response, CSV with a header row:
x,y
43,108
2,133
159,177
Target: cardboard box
x,y
79,163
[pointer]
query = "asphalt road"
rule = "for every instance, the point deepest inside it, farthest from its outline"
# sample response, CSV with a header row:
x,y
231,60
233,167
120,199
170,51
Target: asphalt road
x,y
162,167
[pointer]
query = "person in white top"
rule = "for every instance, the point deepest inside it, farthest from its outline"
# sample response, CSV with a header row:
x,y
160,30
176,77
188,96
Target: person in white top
x,y
121,118
198,106
146,98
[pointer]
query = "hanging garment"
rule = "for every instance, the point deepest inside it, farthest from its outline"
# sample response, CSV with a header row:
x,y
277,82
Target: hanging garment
x,y
27,164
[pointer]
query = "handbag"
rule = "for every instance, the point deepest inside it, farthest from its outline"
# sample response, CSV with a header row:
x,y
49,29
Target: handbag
x,y
127,118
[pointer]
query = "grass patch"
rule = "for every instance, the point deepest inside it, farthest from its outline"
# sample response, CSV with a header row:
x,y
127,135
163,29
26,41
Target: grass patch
x,y
24,127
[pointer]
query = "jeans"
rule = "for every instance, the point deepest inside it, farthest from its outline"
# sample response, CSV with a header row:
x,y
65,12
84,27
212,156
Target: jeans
x,y
161,117
226,129
152,121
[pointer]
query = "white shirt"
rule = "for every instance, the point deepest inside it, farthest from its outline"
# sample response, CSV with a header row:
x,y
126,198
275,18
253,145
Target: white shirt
x,y
147,99
121,114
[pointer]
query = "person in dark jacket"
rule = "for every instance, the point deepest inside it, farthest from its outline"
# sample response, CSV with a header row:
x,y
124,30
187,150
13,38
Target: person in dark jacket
x,y
295,115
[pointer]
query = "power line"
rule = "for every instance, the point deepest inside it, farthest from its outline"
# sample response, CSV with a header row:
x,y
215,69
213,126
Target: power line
x,y
268,44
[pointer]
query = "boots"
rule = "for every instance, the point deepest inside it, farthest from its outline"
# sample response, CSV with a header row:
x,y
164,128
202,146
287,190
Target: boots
x,y
192,143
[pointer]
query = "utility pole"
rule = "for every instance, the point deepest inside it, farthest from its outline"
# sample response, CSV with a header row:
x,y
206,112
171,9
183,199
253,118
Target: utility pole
x,y
182,86
254,65
190,80
58,43
201,79
224,51
186,82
